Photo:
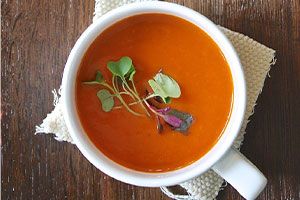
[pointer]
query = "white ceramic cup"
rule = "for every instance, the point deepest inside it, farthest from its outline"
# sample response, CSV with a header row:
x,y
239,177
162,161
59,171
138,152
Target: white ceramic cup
x,y
222,158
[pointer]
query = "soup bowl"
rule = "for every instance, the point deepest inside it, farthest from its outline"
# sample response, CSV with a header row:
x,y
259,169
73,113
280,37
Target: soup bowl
x,y
222,158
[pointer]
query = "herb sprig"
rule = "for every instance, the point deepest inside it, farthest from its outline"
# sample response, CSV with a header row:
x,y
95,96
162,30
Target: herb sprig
x,y
163,87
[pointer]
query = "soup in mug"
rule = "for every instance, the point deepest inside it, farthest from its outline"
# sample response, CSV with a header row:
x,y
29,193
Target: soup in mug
x,y
170,49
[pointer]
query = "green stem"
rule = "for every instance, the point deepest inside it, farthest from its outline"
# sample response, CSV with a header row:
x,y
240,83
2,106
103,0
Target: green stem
x,y
124,88
108,86
137,97
127,107
120,97
113,84
117,86
136,102
125,93
134,86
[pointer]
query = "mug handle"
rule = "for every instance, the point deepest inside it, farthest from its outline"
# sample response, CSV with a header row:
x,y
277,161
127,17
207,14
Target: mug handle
x,y
237,170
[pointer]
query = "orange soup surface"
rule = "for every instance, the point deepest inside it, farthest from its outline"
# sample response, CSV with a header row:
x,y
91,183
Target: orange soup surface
x,y
184,52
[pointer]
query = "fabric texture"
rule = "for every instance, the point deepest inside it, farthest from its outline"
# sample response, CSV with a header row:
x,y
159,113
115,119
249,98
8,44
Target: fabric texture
x,y
256,60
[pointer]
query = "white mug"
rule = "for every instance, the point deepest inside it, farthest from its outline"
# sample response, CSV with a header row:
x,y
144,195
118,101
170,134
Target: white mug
x,y
222,158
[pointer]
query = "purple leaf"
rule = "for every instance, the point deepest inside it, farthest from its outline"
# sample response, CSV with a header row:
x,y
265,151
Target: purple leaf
x,y
187,120
172,120
163,110
160,127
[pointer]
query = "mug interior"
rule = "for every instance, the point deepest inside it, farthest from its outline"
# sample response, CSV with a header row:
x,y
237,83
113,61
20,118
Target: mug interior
x,y
94,155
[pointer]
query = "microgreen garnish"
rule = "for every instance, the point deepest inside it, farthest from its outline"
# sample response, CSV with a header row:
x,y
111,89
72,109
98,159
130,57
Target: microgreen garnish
x,y
186,121
159,126
107,100
120,68
177,120
164,88
99,79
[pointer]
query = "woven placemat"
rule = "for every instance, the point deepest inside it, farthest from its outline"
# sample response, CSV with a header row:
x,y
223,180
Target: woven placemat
x,y
256,60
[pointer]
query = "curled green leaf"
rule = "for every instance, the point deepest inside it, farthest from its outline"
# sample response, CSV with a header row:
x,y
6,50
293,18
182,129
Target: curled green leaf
x,y
107,100
131,73
98,80
167,100
99,77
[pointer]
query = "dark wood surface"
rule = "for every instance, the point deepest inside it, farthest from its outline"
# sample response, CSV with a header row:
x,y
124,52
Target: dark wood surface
x,y
37,37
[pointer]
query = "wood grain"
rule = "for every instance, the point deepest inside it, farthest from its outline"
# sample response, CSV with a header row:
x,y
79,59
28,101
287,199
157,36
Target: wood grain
x,y
37,37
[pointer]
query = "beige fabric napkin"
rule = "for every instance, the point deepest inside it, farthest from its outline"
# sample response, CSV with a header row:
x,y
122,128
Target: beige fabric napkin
x,y
256,61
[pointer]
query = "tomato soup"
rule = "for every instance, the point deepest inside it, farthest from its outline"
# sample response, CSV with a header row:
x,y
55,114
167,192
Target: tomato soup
x,y
183,51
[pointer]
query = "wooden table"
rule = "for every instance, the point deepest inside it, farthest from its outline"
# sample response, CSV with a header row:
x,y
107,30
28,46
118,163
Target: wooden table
x,y
37,37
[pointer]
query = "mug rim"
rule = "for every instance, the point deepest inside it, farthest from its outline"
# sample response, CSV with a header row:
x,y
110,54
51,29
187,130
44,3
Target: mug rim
x,y
115,170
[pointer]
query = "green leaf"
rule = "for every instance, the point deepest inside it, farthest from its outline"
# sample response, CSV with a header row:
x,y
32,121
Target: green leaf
x,y
157,89
99,79
165,87
168,84
107,100
131,72
121,67
167,100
